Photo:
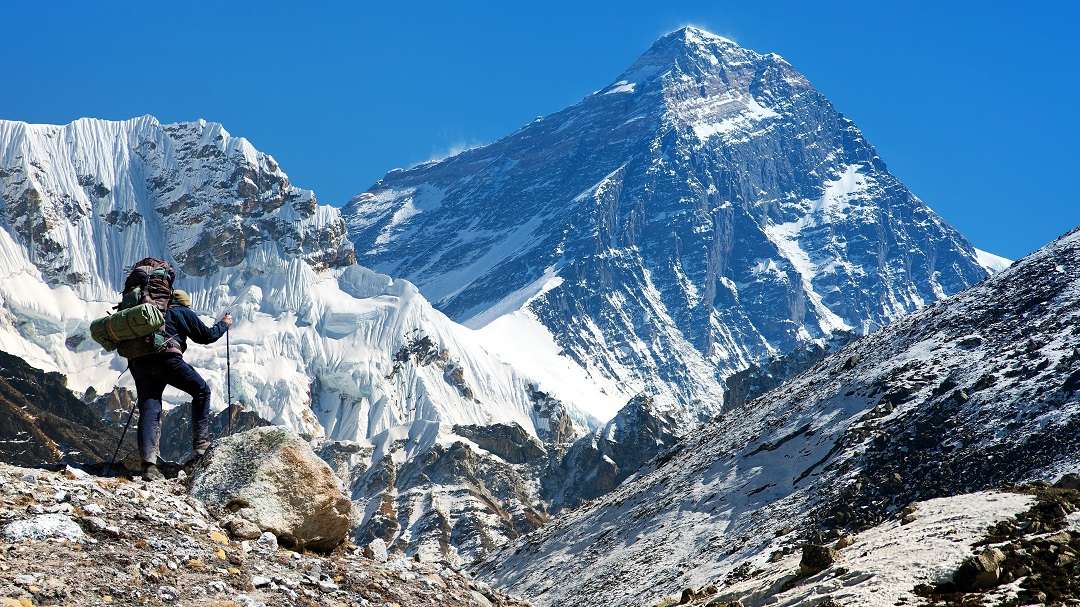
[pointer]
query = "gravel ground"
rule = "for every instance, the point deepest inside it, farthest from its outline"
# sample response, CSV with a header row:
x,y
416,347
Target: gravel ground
x,y
69,538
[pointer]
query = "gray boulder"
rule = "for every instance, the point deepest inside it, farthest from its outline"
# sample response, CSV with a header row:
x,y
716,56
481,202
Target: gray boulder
x,y
43,526
270,479
1069,481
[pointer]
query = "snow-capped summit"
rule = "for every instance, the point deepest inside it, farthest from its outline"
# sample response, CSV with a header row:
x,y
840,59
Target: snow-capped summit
x,y
693,49
705,211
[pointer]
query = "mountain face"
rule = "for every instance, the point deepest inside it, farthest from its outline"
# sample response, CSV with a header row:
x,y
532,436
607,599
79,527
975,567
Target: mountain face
x,y
319,341
981,390
321,345
706,211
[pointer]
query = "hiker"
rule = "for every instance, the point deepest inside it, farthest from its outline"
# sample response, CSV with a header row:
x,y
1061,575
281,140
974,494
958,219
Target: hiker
x,y
152,372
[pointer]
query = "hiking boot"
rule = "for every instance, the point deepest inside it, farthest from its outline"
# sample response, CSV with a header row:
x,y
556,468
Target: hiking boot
x,y
196,455
152,473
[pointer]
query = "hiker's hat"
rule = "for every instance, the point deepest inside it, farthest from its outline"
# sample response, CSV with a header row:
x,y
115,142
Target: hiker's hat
x,y
179,296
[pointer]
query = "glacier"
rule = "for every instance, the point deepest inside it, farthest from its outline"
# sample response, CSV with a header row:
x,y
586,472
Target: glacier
x,y
315,336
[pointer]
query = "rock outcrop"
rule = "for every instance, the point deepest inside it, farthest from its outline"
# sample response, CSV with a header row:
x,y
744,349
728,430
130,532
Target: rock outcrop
x,y
269,479
598,462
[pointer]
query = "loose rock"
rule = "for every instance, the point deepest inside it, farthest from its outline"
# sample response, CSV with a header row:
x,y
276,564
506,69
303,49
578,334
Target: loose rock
x,y
43,526
816,558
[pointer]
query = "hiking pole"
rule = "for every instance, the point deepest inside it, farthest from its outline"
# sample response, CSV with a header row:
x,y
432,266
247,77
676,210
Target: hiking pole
x,y
112,461
228,380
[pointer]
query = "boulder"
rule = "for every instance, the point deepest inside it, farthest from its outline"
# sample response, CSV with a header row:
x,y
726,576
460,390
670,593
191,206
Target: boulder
x,y
376,550
270,479
816,558
980,572
43,527
845,541
1069,481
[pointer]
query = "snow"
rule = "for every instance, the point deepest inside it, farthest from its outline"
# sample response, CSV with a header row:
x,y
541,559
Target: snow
x,y
621,86
851,185
785,237
524,342
992,263
446,284
418,200
517,299
725,114
696,34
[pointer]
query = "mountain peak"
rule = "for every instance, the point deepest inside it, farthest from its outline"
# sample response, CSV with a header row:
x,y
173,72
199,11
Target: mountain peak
x,y
690,33
689,48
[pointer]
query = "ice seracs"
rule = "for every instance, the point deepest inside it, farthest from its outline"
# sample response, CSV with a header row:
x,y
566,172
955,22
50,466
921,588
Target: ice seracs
x,y
316,334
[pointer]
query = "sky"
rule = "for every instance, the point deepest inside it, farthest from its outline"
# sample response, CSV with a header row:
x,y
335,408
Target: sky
x,y
972,105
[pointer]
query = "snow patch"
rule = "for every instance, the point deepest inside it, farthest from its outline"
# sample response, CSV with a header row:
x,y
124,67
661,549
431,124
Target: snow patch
x,y
517,299
524,342
886,562
621,86
738,112
992,263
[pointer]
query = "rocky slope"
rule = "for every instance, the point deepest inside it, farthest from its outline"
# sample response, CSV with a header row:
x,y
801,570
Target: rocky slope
x,y
73,539
43,422
1018,547
978,391
706,211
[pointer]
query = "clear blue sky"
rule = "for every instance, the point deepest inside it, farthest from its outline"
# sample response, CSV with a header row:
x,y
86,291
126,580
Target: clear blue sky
x,y
973,105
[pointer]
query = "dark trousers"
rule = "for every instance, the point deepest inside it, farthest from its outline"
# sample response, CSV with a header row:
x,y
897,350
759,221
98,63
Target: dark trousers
x,y
152,373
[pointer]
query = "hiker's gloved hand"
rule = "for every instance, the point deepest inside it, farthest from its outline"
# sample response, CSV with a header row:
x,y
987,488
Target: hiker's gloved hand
x,y
227,319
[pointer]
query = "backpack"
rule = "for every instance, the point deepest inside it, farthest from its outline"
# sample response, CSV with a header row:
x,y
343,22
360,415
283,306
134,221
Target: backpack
x,y
137,327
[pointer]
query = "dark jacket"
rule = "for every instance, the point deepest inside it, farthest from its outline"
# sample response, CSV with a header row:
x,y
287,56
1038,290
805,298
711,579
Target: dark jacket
x,y
181,323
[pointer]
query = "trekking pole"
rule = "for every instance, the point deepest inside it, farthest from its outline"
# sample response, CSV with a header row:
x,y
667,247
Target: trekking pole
x,y
228,380
112,461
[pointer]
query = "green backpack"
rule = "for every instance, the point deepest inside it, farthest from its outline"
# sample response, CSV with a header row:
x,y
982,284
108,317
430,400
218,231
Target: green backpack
x,y
137,327
126,325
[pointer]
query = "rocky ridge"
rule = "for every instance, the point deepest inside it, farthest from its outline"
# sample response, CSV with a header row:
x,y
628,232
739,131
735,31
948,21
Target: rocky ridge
x,y
977,391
